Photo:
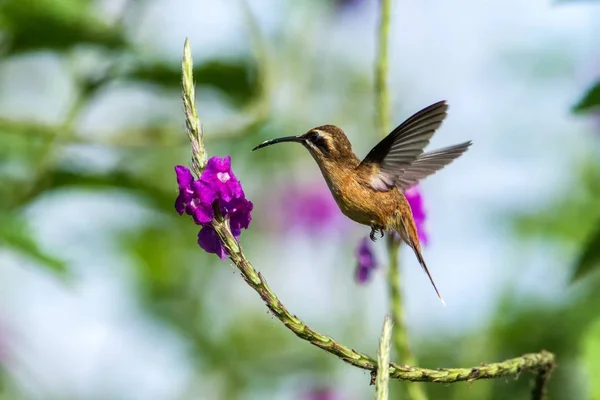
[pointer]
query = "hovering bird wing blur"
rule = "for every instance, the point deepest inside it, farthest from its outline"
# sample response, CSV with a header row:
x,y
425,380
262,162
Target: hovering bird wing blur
x,y
429,163
398,150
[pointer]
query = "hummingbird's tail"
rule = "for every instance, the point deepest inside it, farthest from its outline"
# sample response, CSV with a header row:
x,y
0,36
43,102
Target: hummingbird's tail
x,y
424,266
408,233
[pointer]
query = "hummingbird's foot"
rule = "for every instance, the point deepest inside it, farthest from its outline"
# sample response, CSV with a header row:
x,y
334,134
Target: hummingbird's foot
x,y
372,235
373,231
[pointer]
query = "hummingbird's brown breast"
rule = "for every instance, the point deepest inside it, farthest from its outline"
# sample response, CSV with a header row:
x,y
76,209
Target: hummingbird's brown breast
x,y
357,199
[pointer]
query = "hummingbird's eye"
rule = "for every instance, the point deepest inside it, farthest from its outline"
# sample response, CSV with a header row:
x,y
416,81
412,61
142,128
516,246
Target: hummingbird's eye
x,y
313,136
318,140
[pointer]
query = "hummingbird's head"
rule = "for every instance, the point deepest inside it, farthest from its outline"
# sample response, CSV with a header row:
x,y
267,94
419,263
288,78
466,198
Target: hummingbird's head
x,y
326,142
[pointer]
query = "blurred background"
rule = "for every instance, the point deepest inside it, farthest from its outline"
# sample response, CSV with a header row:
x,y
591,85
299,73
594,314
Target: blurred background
x,y
104,293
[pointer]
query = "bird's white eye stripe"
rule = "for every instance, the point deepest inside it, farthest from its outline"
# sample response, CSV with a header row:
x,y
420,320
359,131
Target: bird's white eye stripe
x,y
318,141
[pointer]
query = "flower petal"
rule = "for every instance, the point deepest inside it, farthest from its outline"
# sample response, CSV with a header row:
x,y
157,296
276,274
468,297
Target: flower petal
x,y
239,211
235,186
366,262
202,213
184,176
205,192
220,177
415,200
210,242
215,165
184,181
181,202
362,275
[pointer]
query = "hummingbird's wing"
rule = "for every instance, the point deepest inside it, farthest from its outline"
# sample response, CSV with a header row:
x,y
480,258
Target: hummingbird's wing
x,y
429,163
398,150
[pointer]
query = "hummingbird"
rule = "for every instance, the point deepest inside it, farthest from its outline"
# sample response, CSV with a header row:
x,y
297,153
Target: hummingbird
x,y
371,191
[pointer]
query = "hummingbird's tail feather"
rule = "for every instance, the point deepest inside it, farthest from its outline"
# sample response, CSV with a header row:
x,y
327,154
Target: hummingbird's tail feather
x,y
424,266
405,226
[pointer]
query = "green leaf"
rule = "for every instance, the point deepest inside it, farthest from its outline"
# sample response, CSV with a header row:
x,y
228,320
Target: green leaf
x,y
15,234
54,24
235,78
590,257
590,100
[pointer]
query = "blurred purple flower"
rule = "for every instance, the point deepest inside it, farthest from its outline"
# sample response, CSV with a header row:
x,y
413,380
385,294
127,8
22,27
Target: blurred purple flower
x,y
366,261
413,195
323,393
312,209
197,197
347,4
309,208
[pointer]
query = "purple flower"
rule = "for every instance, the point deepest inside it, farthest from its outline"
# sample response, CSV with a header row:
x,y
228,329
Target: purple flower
x,y
221,179
322,393
217,186
413,195
366,261
308,208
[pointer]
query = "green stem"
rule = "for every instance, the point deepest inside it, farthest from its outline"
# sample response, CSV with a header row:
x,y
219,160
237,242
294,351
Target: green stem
x,y
382,96
383,361
400,336
192,120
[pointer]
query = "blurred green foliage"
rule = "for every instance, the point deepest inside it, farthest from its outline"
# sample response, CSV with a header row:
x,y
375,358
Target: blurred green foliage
x,y
58,25
573,220
15,234
245,349
590,100
590,255
234,78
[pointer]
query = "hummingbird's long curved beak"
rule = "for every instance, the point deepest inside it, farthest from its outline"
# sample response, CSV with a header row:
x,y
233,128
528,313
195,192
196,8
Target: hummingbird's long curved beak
x,y
297,139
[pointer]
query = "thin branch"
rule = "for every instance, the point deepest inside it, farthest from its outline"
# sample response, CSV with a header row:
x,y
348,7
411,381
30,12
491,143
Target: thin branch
x,y
540,387
534,362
